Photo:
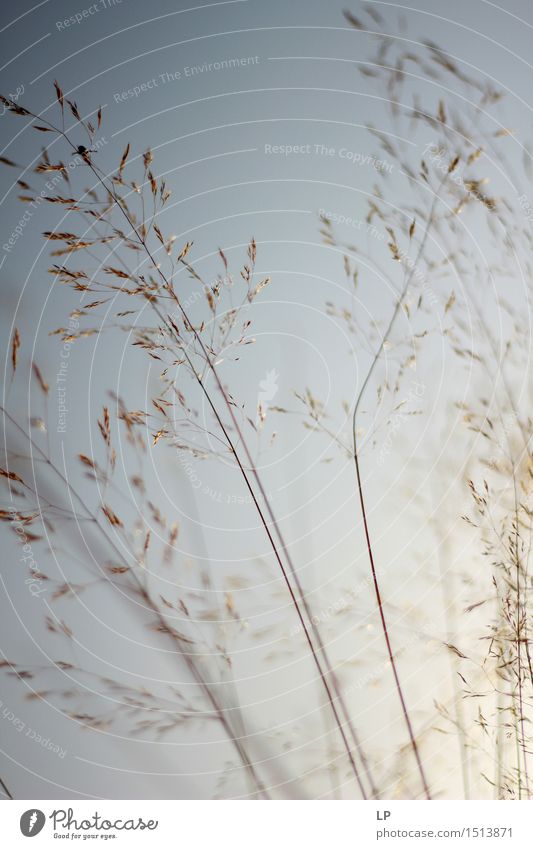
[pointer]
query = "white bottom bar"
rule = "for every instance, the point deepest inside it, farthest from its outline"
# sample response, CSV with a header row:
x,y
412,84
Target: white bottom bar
x,y
266,825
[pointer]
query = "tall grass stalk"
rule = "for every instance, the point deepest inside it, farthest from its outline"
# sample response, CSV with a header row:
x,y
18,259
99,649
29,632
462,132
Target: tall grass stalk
x,y
385,338
325,672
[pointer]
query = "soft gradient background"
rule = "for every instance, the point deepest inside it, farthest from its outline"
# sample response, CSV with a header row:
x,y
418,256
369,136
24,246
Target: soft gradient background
x,y
210,134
